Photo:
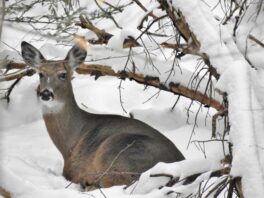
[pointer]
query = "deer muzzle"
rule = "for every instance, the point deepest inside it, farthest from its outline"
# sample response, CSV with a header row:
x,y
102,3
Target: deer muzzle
x,y
46,95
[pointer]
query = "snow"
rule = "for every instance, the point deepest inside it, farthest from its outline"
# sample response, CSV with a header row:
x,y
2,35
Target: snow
x,y
116,41
252,23
15,108
31,161
243,133
193,188
181,170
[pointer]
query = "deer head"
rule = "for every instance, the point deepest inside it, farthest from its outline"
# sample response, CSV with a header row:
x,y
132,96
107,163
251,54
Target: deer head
x,y
55,76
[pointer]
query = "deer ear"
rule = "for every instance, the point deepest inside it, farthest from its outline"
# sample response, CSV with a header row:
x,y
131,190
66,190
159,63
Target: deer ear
x,y
76,56
31,55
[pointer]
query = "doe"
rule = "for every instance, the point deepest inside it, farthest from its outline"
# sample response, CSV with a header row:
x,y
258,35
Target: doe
x,y
98,150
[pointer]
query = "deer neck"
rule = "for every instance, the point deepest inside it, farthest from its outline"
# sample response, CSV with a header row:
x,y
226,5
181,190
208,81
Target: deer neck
x,y
64,121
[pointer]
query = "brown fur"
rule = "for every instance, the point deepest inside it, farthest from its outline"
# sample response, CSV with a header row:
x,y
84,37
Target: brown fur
x,y
98,150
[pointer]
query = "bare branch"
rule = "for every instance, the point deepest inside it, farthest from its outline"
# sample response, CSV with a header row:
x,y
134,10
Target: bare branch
x,y
18,74
143,8
251,37
10,89
114,161
102,70
108,15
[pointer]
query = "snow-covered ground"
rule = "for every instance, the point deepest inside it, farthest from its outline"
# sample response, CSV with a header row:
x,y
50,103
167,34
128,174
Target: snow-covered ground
x,y
31,166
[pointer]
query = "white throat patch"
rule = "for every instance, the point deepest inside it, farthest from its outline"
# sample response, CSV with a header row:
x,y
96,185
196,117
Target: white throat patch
x,y
51,106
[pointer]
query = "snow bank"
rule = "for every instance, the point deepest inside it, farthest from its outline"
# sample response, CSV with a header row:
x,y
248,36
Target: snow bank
x,y
247,160
236,81
23,107
252,23
181,169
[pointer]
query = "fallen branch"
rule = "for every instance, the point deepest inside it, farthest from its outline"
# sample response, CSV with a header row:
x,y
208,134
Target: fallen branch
x,y
102,70
176,88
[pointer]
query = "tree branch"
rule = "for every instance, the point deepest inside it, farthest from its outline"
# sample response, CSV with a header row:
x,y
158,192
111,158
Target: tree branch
x,y
103,36
102,70
18,74
5,193
251,37
176,88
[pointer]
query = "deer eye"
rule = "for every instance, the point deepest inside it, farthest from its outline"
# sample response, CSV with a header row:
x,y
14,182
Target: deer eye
x,y
41,75
62,76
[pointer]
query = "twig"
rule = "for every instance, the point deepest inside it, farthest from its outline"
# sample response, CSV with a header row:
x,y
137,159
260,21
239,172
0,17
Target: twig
x,y
216,187
174,105
10,89
149,26
143,8
108,14
120,84
113,161
120,96
232,11
242,8
101,191
221,113
156,94
68,185
221,188
231,188
251,37
161,175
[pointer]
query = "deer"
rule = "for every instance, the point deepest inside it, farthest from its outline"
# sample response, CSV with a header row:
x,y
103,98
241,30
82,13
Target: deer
x,y
98,150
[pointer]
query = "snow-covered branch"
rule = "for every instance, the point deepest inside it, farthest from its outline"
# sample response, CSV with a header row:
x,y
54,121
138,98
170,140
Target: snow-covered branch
x,y
102,70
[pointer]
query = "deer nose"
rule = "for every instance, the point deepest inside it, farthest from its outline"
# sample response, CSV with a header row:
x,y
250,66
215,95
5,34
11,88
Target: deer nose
x,y
46,95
